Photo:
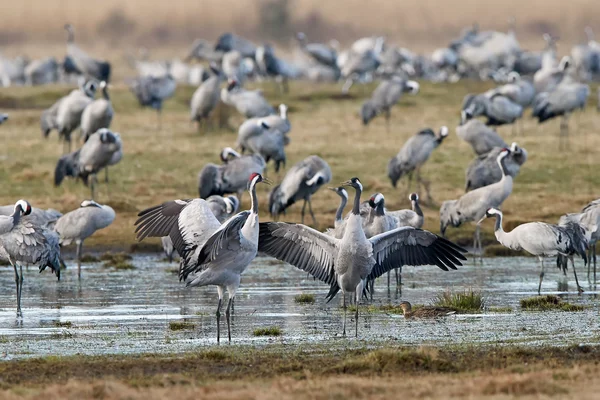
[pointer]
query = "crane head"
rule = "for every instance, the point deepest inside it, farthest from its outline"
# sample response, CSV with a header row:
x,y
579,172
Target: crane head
x,y
256,178
444,131
376,199
23,206
413,197
232,203
353,182
89,203
413,87
231,84
340,191
490,212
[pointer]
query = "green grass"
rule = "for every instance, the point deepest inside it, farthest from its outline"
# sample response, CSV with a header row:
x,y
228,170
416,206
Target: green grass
x,y
548,303
499,309
63,324
268,331
305,298
467,301
181,326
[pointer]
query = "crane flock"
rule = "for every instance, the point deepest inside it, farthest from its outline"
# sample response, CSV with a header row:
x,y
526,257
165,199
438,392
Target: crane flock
x,y
216,243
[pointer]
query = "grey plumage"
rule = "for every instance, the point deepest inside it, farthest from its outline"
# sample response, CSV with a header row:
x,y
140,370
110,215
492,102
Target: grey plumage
x,y
518,90
205,98
481,137
39,217
269,143
472,205
254,127
540,239
77,225
358,65
90,67
270,65
413,154
202,50
551,75
321,53
484,170
3,118
98,114
42,71
413,217
211,254
299,183
345,263
153,91
230,177
22,241
232,42
339,222
498,109
385,96
102,149
249,103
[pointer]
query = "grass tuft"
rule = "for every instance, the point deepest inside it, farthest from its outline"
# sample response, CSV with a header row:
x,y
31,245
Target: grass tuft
x,y
468,301
389,361
268,331
548,303
181,326
88,258
305,298
500,309
61,324
118,261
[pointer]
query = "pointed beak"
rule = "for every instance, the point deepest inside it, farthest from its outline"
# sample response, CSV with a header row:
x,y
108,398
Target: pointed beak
x,y
267,181
346,183
481,220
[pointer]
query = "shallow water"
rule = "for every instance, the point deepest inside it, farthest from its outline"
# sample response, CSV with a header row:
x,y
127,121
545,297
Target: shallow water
x,y
129,311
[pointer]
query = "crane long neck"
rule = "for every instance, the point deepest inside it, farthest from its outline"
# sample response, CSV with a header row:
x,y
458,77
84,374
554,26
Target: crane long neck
x,y
105,93
253,197
417,208
340,210
502,236
16,216
501,164
356,207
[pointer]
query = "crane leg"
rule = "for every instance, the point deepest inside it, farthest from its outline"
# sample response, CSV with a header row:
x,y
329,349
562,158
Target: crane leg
x,y
579,288
218,314
106,175
158,120
372,283
541,276
18,284
399,276
594,255
302,214
388,282
227,316
388,115
356,314
344,305
78,255
312,214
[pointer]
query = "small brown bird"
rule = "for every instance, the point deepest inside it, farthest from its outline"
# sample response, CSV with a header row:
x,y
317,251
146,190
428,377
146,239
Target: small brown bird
x,y
425,311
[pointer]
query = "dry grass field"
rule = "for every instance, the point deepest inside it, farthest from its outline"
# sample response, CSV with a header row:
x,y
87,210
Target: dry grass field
x,y
163,165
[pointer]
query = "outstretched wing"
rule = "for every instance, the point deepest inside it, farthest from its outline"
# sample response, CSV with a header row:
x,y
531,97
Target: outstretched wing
x,y
411,246
301,246
227,236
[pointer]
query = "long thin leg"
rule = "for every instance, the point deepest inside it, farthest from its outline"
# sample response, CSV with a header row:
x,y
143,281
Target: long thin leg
x,y
93,186
312,214
399,276
18,288
410,176
356,315
579,288
227,316
344,304
106,175
388,114
158,119
388,282
541,276
594,255
303,209
218,314
78,255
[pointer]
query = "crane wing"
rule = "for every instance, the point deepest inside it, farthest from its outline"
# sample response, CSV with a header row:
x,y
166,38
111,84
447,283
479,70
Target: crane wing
x,y
410,246
301,246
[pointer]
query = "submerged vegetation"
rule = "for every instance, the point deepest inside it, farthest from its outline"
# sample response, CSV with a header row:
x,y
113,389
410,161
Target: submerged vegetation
x,y
268,331
181,325
547,303
119,261
305,298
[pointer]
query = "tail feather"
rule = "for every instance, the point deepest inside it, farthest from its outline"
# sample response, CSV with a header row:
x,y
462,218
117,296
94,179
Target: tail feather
x,y
66,166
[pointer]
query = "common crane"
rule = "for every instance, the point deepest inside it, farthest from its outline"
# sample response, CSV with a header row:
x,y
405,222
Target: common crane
x,y
413,217
472,205
98,114
253,127
484,170
22,241
299,183
249,103
413,155
339,222
270,65
205,98
481,137
497,108
232,42
213,254
231,176
90,67
321,53
269,144
385,96
344,263
540,239
78,225
152,91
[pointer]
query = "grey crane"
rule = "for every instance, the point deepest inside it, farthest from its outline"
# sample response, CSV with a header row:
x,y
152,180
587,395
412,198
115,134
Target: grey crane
x,y
345,263
498,109
339,222
590,220
413,155
230,177
152,91
378,221
3,118
529,62
586,56
78,225
65,114
540,239
22,241
98,114
359,65
481,137
205,98
249,103
300,183
551,75
235,66
202,50
578,226
413,217
269,144
272,66
385,96
472,205
518,90
90,67
229,42
256,126
484,169
42,71
566,98
321,53
39,217
212,254
102,149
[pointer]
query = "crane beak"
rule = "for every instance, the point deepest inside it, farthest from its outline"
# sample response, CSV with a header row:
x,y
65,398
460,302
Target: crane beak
x,y
267,181
346,183
481,220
